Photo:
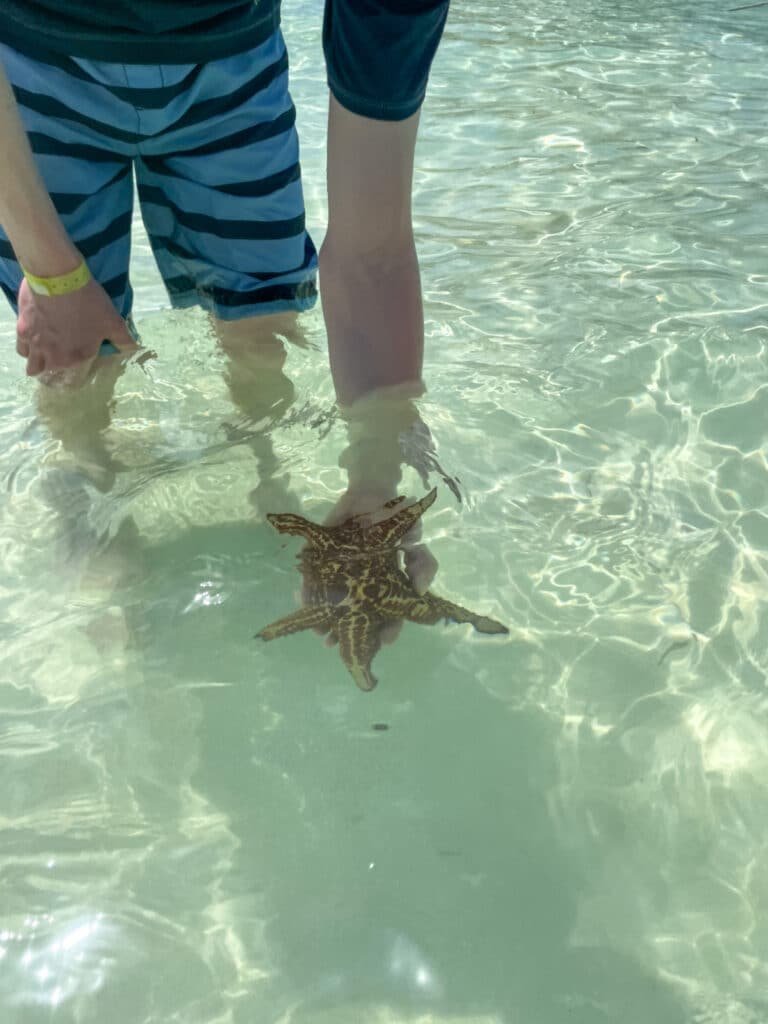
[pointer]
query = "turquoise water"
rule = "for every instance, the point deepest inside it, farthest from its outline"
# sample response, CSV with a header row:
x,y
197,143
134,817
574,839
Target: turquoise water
x,y
569,824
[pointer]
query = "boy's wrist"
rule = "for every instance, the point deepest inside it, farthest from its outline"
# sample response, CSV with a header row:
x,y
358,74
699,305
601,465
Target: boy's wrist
x,y
59,284
376,423
39,241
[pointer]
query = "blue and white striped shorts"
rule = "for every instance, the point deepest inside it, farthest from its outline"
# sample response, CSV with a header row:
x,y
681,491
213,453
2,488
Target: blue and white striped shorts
x,y
216,158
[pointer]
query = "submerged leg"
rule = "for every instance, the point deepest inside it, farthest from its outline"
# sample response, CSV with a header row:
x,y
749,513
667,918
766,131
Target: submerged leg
x,y
317,617
261,391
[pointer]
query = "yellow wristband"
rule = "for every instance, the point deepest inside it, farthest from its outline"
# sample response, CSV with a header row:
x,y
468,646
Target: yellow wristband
x,y
62,285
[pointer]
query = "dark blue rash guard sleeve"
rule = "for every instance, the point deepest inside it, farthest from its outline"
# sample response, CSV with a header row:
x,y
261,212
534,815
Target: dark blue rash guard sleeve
x,y
378,53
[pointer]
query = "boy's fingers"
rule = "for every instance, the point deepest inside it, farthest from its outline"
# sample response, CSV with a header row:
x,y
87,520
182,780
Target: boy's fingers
x,y
122,338
146,356
391,631
421,565
35,364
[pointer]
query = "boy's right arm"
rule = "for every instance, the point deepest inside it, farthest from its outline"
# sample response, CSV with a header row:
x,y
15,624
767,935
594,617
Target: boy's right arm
x,y
53,332
27,214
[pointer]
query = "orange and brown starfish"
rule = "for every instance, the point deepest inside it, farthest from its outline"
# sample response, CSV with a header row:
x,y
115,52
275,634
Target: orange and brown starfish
x,y
355,586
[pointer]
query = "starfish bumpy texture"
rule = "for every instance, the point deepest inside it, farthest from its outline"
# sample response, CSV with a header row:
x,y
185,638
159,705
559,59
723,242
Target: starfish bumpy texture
x,y
354,585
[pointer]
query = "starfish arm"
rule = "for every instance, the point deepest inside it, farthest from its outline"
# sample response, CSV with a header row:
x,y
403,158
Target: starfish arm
x,y
318,536
394,502
359,640
405,606
313,617
430,609
364,517
388,532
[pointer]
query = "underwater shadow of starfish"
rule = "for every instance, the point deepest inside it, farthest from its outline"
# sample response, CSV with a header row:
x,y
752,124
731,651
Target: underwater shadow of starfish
x,y
355,585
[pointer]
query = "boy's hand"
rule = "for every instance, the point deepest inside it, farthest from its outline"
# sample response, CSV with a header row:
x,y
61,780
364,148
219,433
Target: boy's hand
x,y
59,331
420,564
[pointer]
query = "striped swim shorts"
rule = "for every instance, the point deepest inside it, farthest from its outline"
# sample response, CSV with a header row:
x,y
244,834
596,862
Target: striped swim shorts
x,y
215,155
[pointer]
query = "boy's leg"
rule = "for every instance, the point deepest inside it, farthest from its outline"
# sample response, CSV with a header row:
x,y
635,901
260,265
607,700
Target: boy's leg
x,y
263,394
261,391
221,196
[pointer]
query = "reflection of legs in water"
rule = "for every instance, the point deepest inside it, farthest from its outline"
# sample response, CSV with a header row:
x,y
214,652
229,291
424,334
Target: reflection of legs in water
x,y
95,561
75,406
256,353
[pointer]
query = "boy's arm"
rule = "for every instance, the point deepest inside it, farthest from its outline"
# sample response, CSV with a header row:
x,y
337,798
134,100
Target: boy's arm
x,y
53,331
27,214
369,280
378,55
369,273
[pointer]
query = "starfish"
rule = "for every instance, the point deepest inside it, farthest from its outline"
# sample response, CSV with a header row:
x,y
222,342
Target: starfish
x,y
354,585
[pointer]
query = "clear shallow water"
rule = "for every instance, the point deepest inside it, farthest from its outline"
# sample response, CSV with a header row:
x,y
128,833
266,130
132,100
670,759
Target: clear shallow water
x,y
565,825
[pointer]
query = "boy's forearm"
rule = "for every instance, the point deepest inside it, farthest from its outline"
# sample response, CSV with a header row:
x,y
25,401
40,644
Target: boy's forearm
x,y
27,214
369,274
373,312
372,306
